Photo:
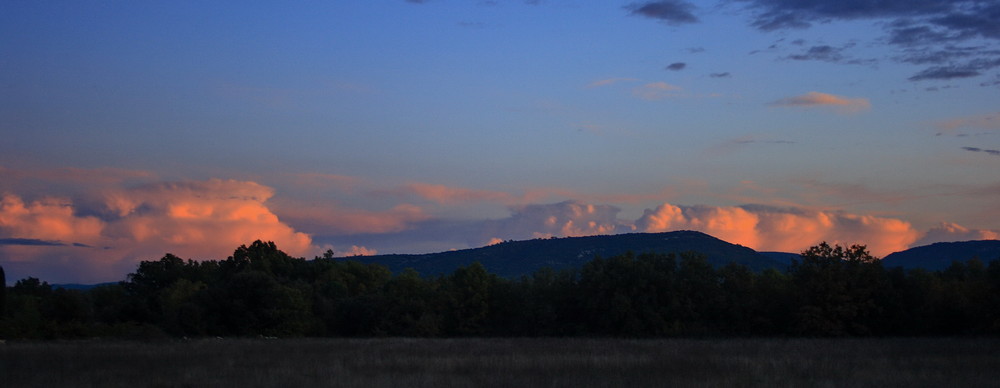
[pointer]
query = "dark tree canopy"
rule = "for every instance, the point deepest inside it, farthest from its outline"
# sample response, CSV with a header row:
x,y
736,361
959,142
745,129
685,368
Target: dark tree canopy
x,y
262,291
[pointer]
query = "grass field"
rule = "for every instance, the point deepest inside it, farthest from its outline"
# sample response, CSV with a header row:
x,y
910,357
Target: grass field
x,y
400,362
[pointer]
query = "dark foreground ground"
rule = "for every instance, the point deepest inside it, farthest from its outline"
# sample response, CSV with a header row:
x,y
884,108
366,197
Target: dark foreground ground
x,y
400,362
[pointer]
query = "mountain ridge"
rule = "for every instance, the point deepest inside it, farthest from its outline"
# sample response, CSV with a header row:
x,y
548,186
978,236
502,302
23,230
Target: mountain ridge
x,y
939,256
516,258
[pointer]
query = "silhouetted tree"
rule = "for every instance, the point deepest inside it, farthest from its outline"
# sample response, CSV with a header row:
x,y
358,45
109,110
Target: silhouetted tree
x,y
838,289
467,294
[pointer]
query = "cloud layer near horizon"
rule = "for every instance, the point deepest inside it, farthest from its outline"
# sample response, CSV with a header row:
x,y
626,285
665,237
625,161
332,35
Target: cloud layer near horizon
x,y
100,235
785,230
199,219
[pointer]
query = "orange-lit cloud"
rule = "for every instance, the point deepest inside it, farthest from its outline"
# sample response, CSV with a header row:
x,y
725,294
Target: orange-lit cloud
x,y
48,219
197,219
787,230
200,217
817,99
655,91
360,251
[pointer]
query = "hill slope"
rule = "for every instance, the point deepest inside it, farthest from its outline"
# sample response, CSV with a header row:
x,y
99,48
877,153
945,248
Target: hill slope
x,y
939,256
515,258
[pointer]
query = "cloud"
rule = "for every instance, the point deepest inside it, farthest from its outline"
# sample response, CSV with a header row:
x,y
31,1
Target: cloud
x,y
360,251
669,11
609,82
30,242
918,26
988,151
947,231
815,99
327,218
50,219
774,14
945,72
720,75
192,219
830,54
448,195
569,218
676,66
778,229
655,91
820,53
989,121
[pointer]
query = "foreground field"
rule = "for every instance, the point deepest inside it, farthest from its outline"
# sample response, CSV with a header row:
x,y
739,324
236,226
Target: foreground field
x,y
396,362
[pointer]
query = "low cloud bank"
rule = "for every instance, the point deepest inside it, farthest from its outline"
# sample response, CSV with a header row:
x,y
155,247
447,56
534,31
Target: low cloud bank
x,y
200,219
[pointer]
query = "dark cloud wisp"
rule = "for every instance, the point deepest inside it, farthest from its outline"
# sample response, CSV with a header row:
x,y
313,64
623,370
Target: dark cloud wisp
x,y
670,11
927,30
988,151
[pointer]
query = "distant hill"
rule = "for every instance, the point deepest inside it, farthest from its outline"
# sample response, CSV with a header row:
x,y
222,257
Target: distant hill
x,y
512,259
939,256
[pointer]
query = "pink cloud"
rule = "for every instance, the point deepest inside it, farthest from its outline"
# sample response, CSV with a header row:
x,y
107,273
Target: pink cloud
x,y
817,99
655,91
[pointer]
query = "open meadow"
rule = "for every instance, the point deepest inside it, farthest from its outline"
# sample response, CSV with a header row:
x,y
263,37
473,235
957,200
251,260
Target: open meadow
x,y
523,362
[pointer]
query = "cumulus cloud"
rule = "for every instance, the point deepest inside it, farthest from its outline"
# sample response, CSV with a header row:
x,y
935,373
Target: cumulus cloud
x,y
947,231
47,219
669,11
195,219
817,99
655,91
787,230
569,218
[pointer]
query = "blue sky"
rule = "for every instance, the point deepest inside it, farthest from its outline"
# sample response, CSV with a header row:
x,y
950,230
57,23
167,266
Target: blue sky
x,y
135,129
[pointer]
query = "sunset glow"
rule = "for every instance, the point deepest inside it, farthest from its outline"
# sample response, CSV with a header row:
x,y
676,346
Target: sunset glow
x,y
134,130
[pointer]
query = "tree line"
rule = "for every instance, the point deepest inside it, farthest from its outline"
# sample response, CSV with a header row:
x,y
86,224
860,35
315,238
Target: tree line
x,y
262,291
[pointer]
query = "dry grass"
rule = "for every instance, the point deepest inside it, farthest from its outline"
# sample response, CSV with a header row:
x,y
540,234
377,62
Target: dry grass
x,y
401,362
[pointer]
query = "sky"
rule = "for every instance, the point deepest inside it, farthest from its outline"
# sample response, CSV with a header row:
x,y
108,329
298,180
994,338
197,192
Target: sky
x,y
132,129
